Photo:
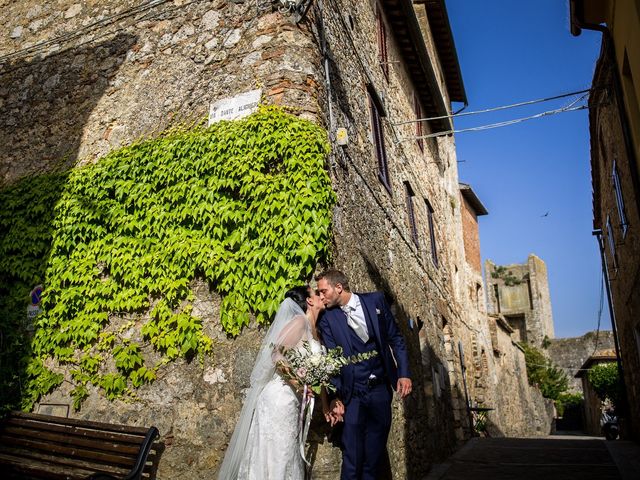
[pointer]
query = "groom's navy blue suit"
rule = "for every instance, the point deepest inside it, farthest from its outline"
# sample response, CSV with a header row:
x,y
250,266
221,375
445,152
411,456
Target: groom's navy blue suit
x,y
365,388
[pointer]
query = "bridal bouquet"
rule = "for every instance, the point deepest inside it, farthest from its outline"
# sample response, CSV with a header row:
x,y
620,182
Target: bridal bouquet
x,y
316,369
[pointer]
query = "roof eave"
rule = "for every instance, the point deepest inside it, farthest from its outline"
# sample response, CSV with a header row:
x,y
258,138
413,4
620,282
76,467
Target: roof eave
x,y
400,14
471,197
440,26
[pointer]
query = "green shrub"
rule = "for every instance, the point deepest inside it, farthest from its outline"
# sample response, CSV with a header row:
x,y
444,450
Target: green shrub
x,y
605,380
567,401
244,205
542,373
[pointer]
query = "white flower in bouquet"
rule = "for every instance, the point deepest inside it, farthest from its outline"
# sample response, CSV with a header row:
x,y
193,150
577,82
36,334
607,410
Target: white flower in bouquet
x,y
316,369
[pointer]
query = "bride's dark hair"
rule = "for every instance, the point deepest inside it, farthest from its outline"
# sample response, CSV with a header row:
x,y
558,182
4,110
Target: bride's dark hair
x,y
299,295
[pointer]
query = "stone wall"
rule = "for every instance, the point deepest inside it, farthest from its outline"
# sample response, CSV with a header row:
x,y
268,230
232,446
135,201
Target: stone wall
x,y
373,240
571,353
522,410
82,78
110,73
617,209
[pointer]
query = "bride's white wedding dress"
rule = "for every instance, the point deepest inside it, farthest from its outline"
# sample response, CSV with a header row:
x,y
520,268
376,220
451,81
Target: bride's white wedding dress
x,y
273,451
266,442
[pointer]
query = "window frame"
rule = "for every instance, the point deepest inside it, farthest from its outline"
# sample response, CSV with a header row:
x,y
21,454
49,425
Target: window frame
x,y
432,234
612,245
376,113
383,48
409,196
617,188
417,108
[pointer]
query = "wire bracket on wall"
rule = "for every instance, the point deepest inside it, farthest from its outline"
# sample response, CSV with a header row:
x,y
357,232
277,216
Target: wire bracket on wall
x,y
297,8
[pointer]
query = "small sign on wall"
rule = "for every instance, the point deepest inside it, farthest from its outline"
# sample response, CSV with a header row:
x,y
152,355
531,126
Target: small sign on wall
x,y
34,308
235,107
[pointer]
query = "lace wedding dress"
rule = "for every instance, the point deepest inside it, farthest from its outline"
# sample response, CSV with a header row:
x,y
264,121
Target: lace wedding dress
x,y
266,442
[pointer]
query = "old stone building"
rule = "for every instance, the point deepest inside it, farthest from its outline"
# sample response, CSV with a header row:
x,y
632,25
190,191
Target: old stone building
x,y
80,79
614,128
571,353
592,403
520,292
494,375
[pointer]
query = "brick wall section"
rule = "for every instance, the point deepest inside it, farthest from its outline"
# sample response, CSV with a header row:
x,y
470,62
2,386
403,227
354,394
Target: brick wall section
x,y
471,235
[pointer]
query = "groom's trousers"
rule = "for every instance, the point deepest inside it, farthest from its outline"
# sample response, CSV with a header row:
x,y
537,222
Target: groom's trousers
x,y
367,421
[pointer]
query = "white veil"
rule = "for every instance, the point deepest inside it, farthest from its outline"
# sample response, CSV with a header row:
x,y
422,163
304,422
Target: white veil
x,y
262,373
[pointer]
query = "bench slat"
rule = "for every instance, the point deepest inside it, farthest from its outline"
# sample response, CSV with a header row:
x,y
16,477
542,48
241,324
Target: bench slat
x,y
42,446
109,427
68,464
135,439
70,452
47,438
43,470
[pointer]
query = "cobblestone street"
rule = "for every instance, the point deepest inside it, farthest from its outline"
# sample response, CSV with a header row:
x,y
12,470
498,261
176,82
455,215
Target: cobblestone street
x,y
547,458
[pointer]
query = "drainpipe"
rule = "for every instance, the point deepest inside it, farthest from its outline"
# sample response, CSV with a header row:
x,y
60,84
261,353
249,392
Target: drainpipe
x,y
463,368
327,74
612,315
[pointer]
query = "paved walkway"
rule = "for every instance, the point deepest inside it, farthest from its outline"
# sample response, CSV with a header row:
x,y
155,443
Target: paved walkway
x,y
545,458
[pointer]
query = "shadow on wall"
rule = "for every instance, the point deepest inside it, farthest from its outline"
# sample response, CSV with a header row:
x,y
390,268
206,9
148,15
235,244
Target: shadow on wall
x,y
428,420
44,105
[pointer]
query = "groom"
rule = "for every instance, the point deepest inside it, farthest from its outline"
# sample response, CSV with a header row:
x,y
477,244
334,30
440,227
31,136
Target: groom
x,y
362,323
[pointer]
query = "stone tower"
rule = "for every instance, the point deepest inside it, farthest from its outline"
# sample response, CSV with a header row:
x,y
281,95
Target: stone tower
x,y
520,293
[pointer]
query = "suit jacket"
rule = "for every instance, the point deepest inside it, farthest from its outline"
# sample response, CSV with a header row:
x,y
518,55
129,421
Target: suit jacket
x,y
382,327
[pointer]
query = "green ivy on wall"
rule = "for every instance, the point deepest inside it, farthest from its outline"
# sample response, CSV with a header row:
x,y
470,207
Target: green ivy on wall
x,y
244,205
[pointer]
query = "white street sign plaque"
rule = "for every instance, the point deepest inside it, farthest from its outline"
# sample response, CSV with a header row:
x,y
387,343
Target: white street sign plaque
x,y
235,107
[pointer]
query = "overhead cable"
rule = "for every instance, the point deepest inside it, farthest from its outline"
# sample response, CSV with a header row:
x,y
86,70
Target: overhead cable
x,y
496,125
493,109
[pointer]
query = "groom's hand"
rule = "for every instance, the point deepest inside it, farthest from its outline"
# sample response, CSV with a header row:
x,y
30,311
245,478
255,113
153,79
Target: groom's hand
x,y
335,413
404,387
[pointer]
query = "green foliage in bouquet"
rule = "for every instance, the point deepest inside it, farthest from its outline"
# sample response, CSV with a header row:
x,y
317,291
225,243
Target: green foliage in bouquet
x,y
244,205
316,369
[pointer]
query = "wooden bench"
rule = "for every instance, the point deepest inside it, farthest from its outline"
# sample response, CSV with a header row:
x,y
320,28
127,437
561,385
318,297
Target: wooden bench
x,y
42,446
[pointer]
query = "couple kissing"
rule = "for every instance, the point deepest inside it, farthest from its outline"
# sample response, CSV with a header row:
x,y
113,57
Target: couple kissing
x,y
268,440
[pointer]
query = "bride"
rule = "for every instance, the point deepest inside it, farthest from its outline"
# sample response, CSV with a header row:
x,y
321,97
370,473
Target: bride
x,y
265,443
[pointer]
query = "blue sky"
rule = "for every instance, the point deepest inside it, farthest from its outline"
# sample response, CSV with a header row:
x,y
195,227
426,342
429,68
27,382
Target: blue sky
x,y
512,51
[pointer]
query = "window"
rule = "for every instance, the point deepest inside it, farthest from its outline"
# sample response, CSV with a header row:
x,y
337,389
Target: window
x,y
419,131
375,107
637,335
619,199
383,55
629,85
411,213
437,380
612,246
496,294
432,233
530,293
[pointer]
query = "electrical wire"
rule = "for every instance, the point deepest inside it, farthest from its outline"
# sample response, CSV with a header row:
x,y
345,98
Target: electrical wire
x,y
494,109
496,125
